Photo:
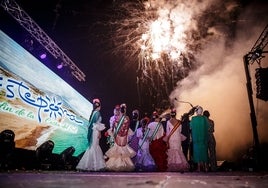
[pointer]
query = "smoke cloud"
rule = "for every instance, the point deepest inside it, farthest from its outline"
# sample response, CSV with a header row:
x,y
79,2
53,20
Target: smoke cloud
x,y
219,84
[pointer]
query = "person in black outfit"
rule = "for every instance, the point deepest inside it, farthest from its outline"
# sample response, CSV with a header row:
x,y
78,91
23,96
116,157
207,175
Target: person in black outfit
x,y
185,130
134,140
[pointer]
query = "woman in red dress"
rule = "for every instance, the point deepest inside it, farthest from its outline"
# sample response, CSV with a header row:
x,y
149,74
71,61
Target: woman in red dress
x,y
158,146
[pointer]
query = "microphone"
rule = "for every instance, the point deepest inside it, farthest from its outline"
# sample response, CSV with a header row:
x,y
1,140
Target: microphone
x,y
192,110
183,102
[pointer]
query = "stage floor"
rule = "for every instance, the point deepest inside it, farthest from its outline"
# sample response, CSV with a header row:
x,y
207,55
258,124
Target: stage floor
x,y
58,179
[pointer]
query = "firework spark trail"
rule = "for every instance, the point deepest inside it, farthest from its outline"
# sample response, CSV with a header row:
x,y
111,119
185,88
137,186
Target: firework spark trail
x,y
219,84
160,37
186,43
164,40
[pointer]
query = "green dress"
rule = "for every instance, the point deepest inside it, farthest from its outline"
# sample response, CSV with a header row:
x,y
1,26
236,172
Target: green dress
x,y
199,129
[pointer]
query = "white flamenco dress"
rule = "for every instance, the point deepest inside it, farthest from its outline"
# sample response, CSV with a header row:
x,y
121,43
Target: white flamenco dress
x,y
120,154
93,159
176,158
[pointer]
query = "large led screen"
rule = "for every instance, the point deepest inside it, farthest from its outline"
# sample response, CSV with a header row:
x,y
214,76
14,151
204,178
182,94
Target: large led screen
x,y
37,105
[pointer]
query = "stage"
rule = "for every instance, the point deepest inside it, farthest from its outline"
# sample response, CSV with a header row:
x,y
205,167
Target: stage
x,y
132,179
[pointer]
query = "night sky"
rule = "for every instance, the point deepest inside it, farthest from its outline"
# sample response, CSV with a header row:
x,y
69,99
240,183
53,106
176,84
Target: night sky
x,y
70,25
93,34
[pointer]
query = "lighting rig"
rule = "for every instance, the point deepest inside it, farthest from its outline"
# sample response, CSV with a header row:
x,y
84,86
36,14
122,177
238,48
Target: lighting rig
x,y
255,55
29,24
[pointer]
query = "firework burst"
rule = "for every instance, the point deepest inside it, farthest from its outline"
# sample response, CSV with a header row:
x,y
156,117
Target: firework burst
x,y
156,39
160,37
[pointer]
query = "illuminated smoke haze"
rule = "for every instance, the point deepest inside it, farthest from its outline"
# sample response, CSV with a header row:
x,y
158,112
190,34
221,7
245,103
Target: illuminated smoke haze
x,y
219,85
198,47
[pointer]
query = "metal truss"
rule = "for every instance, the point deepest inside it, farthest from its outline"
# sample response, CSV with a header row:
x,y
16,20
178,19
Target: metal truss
x,y
256,51
27,23
255,55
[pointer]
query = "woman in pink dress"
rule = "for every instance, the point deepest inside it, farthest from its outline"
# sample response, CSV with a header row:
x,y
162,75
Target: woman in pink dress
x,y
120,154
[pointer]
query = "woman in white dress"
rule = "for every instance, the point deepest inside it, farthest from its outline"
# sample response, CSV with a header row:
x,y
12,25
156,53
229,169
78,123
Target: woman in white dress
x,y
93,159
176,158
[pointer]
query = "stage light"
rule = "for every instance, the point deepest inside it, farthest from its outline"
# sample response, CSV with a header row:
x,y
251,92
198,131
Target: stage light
x,y
7,136
7,146
36,31
66,158
256,54
44,151
262,83
67,154
60,66
43,55
29,43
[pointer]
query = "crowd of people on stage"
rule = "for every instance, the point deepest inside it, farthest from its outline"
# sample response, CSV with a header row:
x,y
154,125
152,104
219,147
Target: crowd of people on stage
x,y
156,143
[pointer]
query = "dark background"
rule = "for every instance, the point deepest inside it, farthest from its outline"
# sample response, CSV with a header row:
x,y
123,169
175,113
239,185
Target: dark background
x,y
81,29
68,23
